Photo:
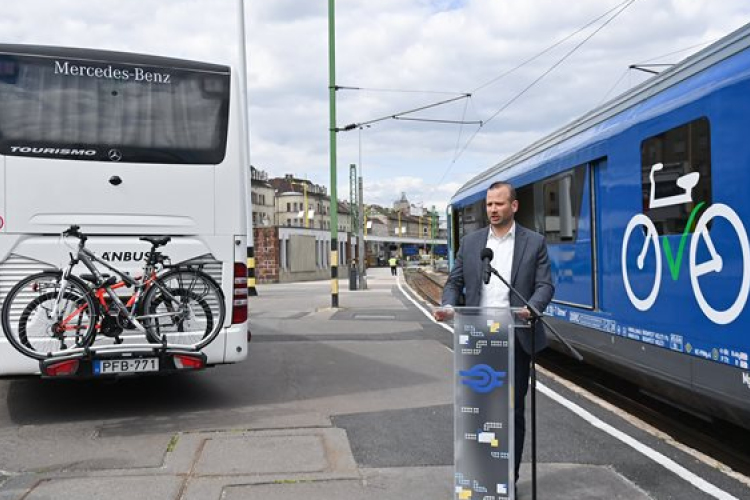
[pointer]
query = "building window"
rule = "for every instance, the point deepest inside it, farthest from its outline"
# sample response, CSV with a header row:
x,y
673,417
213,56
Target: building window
x,y
676,175
288,207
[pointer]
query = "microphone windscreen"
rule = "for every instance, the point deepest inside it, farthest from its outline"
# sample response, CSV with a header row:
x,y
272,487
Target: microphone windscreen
x,y
487,254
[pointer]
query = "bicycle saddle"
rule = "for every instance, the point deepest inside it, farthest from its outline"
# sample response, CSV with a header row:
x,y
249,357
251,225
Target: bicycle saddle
x,y
157,241
688,181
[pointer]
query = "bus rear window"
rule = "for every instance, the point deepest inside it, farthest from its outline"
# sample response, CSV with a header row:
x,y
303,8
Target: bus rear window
x,y
63,108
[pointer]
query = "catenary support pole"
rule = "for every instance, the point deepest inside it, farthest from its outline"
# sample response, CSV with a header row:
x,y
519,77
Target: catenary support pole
x,y
361,237
334,191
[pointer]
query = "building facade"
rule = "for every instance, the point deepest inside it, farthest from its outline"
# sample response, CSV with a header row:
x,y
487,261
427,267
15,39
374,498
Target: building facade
x,y
292,219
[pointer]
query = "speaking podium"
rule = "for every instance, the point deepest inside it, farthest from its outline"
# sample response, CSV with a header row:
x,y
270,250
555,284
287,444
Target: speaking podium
x,y
483,344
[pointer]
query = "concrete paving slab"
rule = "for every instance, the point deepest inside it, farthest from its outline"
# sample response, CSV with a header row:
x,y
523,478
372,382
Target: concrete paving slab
x,y
257,417
375,484
262,455
119,488
277,452
555,482
75,447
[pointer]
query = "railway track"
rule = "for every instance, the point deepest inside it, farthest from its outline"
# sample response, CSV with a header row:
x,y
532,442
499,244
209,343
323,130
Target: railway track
x,y
722,441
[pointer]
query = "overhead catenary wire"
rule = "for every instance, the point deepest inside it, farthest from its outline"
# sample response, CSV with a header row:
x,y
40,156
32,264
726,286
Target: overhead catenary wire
x,y
645,63
617,10
622,7
461,128
554,45
464,94
352,126
402,91
433,120
613,87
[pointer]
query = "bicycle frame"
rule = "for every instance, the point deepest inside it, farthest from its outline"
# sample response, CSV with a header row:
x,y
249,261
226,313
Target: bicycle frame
x,y
141,283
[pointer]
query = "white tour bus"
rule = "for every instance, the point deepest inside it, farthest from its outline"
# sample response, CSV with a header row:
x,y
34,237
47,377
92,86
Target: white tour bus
x,y
122,145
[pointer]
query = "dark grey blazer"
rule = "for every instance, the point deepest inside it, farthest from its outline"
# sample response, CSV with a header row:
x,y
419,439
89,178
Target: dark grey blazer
x,y
530,275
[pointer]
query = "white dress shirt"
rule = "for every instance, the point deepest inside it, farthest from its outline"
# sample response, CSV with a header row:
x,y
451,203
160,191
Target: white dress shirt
x,y
495,293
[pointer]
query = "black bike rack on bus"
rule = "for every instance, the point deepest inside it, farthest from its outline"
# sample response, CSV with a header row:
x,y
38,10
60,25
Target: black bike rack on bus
x,y
80,363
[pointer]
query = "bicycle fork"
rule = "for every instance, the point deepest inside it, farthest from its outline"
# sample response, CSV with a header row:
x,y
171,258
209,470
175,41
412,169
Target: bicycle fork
x,y
56,309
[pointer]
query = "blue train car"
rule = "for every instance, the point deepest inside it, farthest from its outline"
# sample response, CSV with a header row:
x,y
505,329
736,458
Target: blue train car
x,y
644,202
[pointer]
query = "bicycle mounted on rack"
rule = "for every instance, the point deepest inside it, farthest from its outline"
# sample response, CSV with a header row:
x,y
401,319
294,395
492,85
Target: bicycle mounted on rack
x,y
75,324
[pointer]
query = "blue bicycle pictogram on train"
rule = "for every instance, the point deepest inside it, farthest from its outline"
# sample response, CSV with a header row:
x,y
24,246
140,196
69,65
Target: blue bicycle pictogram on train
x,y
482,378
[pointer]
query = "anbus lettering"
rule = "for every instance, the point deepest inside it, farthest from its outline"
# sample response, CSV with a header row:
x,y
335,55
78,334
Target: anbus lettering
x,y
124,256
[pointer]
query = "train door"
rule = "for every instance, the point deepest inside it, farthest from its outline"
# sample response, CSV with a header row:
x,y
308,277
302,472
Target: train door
x,y
568,226
451,235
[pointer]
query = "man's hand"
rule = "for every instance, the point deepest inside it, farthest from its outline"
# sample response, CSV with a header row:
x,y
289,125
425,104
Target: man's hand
x,y
443,313
523,314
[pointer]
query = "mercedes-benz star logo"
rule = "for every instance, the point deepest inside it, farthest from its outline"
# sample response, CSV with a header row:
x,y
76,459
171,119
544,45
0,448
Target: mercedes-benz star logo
x,y
115,155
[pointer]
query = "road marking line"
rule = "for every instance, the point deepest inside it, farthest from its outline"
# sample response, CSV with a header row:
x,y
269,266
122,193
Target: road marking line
x,y
654,455
640,424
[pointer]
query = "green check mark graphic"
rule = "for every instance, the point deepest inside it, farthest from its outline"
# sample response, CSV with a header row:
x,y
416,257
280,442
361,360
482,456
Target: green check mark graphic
x,y
674,263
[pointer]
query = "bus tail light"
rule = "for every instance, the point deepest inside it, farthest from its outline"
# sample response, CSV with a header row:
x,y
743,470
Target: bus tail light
x,y
62,368
188,362
239,294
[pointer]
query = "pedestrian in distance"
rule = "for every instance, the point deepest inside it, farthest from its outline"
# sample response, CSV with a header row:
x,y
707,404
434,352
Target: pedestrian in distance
x,y
393,262
520,256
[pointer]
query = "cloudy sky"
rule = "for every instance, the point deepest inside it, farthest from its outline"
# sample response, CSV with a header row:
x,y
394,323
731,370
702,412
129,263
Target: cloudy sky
x,y
403,54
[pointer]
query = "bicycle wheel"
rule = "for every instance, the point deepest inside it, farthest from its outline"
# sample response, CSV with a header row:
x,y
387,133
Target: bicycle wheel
x,y
652,237
30,325
184,308
719,316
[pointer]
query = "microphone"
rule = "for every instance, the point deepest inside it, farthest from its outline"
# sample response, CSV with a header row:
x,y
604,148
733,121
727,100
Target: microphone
x,y
487,256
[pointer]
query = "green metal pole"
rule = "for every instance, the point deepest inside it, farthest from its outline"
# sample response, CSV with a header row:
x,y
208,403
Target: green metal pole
x,y
334,198
434,230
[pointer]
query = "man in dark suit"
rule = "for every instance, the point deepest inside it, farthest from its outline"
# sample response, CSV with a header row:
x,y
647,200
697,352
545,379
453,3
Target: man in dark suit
x,y
520,256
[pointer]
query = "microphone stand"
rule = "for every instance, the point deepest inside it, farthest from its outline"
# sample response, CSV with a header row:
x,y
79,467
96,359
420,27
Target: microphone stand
x,y
535,316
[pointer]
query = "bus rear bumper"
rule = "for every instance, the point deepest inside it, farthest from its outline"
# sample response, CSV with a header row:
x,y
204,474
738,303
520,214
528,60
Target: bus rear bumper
x,y
231,346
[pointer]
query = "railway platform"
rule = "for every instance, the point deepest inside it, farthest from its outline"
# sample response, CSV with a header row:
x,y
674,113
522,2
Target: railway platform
x,y
354,404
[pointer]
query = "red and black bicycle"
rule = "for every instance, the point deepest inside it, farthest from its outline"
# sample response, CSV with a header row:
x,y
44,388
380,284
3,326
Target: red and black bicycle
x,y
54,312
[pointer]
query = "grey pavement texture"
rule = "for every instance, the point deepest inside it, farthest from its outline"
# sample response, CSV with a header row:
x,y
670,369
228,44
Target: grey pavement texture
x,y
303,417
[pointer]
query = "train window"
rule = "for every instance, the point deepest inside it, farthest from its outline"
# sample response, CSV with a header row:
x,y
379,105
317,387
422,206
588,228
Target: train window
x,y
676,174
527,213
472,217
562,196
